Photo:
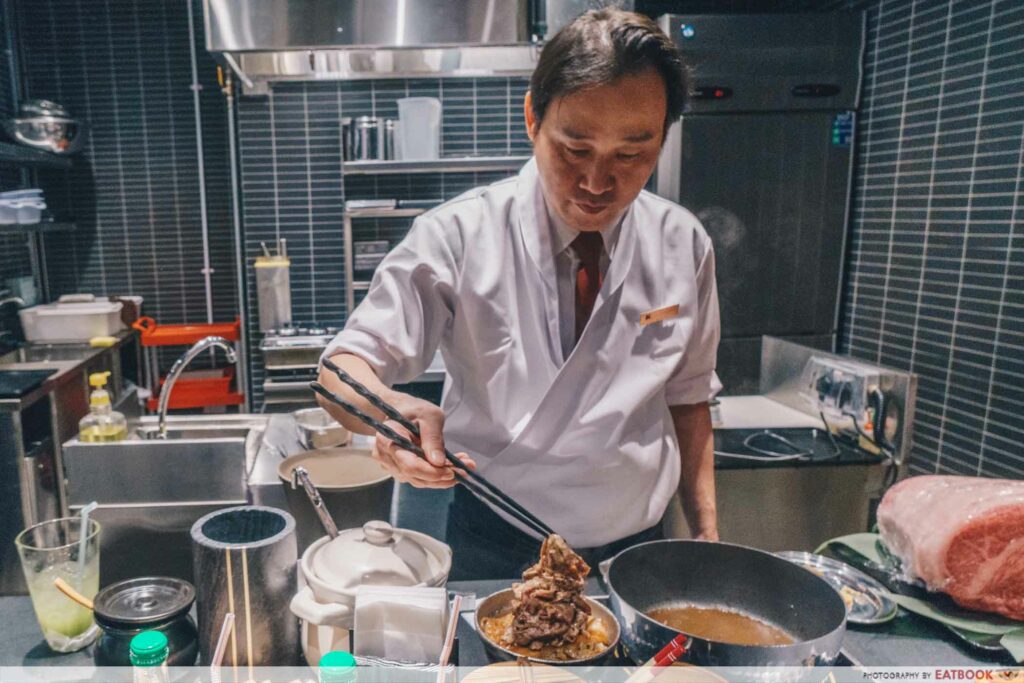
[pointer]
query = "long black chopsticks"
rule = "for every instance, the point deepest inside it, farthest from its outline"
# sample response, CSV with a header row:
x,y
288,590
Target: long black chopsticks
x,y
471,480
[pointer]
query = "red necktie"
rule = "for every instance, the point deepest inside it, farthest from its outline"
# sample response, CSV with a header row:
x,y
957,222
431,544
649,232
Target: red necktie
x,y
588,247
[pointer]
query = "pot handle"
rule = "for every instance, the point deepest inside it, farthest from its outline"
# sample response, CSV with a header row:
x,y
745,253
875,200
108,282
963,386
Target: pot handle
x,y
603,567
305,606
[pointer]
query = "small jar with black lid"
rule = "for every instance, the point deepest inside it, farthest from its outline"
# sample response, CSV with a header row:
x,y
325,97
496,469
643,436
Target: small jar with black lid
x,y
153,603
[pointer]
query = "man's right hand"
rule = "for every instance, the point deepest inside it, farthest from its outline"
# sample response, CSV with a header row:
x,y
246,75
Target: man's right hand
x,y
435,472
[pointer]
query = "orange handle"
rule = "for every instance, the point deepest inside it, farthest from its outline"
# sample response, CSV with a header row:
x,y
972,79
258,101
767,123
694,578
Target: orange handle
x,y
144,324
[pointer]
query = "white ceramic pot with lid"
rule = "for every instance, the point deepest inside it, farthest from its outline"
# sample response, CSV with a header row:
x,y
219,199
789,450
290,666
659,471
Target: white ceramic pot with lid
x,y
376,554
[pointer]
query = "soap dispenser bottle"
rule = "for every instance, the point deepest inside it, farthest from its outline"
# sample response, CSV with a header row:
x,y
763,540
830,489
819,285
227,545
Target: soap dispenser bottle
x,y
103,423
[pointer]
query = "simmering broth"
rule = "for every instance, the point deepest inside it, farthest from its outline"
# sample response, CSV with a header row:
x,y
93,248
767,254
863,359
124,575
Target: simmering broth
x,y
721,625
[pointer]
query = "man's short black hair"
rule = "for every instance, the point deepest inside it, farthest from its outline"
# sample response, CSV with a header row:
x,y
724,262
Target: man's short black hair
x,y
600,47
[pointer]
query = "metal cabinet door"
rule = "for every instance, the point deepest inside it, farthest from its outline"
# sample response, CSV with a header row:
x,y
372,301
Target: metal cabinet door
x,y
771,189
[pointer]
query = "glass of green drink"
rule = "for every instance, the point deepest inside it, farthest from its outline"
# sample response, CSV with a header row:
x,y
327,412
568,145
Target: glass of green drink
x,y
52,550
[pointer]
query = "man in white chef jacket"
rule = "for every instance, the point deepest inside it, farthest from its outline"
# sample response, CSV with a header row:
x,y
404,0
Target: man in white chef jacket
x,y
576,314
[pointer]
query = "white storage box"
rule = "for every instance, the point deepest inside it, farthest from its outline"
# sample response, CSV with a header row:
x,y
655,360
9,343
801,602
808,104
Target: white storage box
x,y
71,321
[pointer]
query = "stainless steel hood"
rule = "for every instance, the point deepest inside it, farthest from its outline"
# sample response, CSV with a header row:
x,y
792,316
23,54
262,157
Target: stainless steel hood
x,y
287,40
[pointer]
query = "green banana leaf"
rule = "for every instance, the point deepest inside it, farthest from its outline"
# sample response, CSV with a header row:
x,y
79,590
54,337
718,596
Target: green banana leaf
x,y
866,544
982,629
1014,644
973,622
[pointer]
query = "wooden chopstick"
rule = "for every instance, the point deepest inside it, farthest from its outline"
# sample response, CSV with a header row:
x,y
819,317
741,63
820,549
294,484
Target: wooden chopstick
x,y
495,496
392,413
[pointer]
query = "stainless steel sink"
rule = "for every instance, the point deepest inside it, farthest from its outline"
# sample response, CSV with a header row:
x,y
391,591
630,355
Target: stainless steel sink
x,y
204,458
200,427
45,353
193,433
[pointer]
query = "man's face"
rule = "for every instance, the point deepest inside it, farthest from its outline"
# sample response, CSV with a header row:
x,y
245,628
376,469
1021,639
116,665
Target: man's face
x,y
596,148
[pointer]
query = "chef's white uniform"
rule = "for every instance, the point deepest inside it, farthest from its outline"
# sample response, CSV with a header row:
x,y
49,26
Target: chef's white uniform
x,y
586,442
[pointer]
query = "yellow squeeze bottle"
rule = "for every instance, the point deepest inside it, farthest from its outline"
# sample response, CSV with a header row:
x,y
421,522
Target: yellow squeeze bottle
x,y
102,423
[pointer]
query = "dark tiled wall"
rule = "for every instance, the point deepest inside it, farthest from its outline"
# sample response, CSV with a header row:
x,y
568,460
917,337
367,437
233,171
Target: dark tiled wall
x,y
293,187
936,261
125,67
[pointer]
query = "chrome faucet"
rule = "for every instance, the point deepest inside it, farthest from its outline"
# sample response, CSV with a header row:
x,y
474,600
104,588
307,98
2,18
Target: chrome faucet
x,y
179,367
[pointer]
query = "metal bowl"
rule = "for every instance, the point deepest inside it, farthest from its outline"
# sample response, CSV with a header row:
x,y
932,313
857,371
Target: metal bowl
x,y
498,604
56,134
317,429
870,602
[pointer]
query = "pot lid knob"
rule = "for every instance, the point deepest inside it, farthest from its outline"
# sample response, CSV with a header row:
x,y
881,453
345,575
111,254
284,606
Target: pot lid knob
x,y
379,533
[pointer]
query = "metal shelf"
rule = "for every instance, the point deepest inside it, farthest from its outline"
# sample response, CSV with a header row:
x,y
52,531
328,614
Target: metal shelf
x,y
443,165
26,156
360,285
383,213
43,226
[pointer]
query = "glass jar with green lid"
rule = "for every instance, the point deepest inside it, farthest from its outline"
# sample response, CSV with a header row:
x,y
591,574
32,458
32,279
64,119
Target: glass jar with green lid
x,y
337,666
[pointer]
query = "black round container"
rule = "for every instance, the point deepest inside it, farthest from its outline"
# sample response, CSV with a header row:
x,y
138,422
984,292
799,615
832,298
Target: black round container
x,y
153,603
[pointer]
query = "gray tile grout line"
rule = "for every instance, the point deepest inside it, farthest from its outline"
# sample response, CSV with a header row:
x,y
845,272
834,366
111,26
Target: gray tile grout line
x,y
863,163
896,186
927,223
967,228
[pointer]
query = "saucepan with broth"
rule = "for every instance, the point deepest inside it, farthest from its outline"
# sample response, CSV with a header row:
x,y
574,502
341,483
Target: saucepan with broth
x,y
739,606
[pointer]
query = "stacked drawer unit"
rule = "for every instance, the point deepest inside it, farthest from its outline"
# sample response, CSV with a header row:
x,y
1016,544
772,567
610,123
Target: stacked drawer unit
x,y
290,357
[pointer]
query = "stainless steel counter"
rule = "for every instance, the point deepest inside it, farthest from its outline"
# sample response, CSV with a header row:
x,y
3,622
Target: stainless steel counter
x,y
33,427
70,361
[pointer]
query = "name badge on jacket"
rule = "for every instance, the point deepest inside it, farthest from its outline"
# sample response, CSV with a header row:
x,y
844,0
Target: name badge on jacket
x,y
656,315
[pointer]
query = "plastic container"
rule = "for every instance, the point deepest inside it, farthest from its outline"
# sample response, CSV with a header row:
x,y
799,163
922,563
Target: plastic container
x,y
71,321
33,193
273,292
23,207
8,211
102,423
30,211
419,128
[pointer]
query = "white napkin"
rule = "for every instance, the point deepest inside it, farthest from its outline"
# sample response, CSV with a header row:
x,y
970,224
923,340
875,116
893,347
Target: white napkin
x,y
400,623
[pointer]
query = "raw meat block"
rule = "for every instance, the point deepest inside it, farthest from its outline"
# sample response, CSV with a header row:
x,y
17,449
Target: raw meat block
x,y
960,535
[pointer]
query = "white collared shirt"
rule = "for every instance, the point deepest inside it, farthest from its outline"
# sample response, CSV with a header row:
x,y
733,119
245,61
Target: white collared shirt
x,y
584,441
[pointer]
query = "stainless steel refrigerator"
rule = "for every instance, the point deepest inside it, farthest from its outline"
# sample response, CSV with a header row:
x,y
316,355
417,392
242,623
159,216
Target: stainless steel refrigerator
x,y
763,156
